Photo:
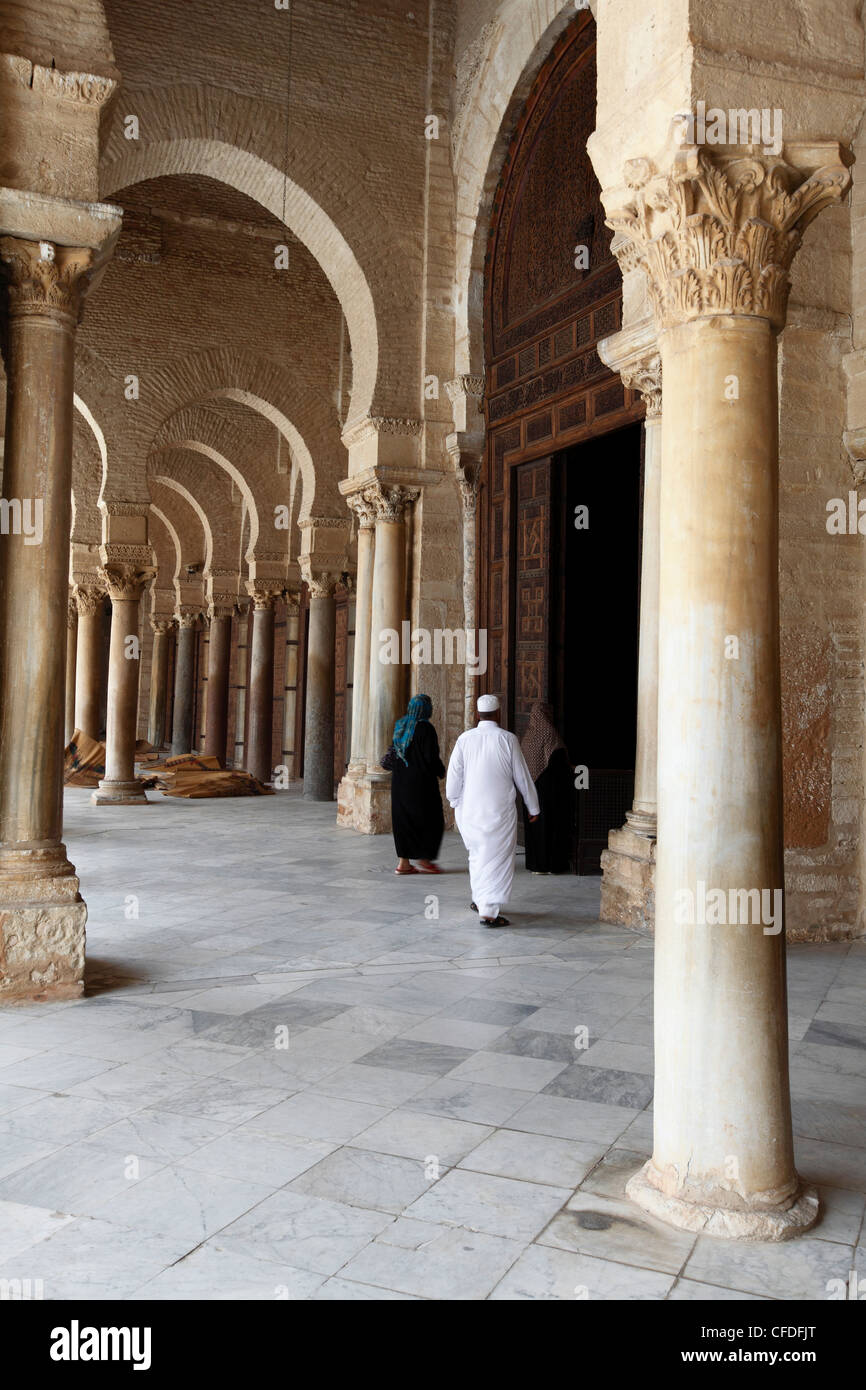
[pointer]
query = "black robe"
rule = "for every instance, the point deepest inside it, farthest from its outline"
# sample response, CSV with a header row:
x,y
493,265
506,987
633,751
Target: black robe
x,y
416,802
549,840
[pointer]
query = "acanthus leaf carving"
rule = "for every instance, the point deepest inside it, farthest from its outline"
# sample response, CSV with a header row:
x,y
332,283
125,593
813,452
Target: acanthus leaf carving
x,y
716,231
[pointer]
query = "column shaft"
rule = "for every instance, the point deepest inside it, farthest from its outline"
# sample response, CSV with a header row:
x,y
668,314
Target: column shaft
x,y
642,817
723,1150
71,654
319,721
260,727
158,685
218,671
88,664
181,732
361,669
387,679
120,786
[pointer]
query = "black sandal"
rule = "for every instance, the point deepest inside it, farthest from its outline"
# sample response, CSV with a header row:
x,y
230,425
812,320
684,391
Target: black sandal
x,y
499,921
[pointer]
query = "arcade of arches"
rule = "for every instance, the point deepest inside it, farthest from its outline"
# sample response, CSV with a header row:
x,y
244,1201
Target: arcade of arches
x,y
330,321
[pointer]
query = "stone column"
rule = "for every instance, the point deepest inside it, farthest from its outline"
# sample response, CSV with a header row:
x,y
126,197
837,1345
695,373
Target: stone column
x,y
366,515
218,671
468,475
161,628
184,675
628,863
387,692
90,601
120,786
716,232
260,725
319,714
290,685
42,915
71,651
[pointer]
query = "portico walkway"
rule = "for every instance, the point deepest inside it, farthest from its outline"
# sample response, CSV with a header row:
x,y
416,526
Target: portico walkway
x,y
432,1130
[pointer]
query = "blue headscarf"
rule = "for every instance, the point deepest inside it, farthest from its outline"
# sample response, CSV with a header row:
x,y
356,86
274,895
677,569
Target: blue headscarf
x,y
420,707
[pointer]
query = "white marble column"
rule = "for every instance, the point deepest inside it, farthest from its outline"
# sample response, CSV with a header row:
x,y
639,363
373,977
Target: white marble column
x,y
120,786
365,512
319,713
388,679
715,232
628,863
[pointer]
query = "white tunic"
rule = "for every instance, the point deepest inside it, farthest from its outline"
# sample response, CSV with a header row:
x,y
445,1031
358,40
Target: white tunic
x,y
485,768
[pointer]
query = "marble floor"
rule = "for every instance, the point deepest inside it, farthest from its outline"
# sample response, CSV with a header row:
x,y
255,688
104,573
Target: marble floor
x,y
297,1076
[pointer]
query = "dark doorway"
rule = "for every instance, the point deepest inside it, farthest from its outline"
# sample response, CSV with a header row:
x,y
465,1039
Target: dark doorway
x,y
596,630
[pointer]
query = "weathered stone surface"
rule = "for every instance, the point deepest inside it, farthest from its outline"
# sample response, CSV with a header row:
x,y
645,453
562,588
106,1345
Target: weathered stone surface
x,y
42,951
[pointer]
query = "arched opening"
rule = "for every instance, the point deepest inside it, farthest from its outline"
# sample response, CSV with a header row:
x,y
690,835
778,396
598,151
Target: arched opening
x,y
559,584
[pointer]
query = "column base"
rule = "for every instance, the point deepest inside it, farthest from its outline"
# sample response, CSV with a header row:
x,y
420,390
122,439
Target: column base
x,y
364,802
42,935
628,878
762,1221
110,793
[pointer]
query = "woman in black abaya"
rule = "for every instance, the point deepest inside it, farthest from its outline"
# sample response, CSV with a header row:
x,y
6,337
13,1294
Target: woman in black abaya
x,y
416,802
548,839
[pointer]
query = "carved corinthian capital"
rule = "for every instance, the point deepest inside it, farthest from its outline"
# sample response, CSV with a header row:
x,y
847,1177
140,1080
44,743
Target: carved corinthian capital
x,y
364,510
161,626
264,592
389,503
715,230
42,278
125,582
646,376
321,584
89,599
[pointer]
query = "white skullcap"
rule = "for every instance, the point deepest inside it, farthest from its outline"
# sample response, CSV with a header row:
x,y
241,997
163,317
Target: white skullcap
x,y
487,704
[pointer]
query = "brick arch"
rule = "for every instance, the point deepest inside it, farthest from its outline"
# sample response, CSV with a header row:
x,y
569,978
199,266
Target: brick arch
x,y
518,40
167,550
207,489
166,480
199,153
306,421
290,433
156,466
89,457
191,537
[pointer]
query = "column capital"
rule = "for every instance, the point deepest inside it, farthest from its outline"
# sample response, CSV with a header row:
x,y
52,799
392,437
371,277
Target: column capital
x,y
716,230
221,606
365,512
161,626
634,352
43,278
264,593
125,582
390,503
89,597
187,616
321,584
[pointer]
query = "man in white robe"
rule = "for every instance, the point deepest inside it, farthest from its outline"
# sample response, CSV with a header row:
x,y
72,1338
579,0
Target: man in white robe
x,y
486,768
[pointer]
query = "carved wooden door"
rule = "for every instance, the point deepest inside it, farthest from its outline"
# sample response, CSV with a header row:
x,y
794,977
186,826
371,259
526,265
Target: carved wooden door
x,y
530,665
